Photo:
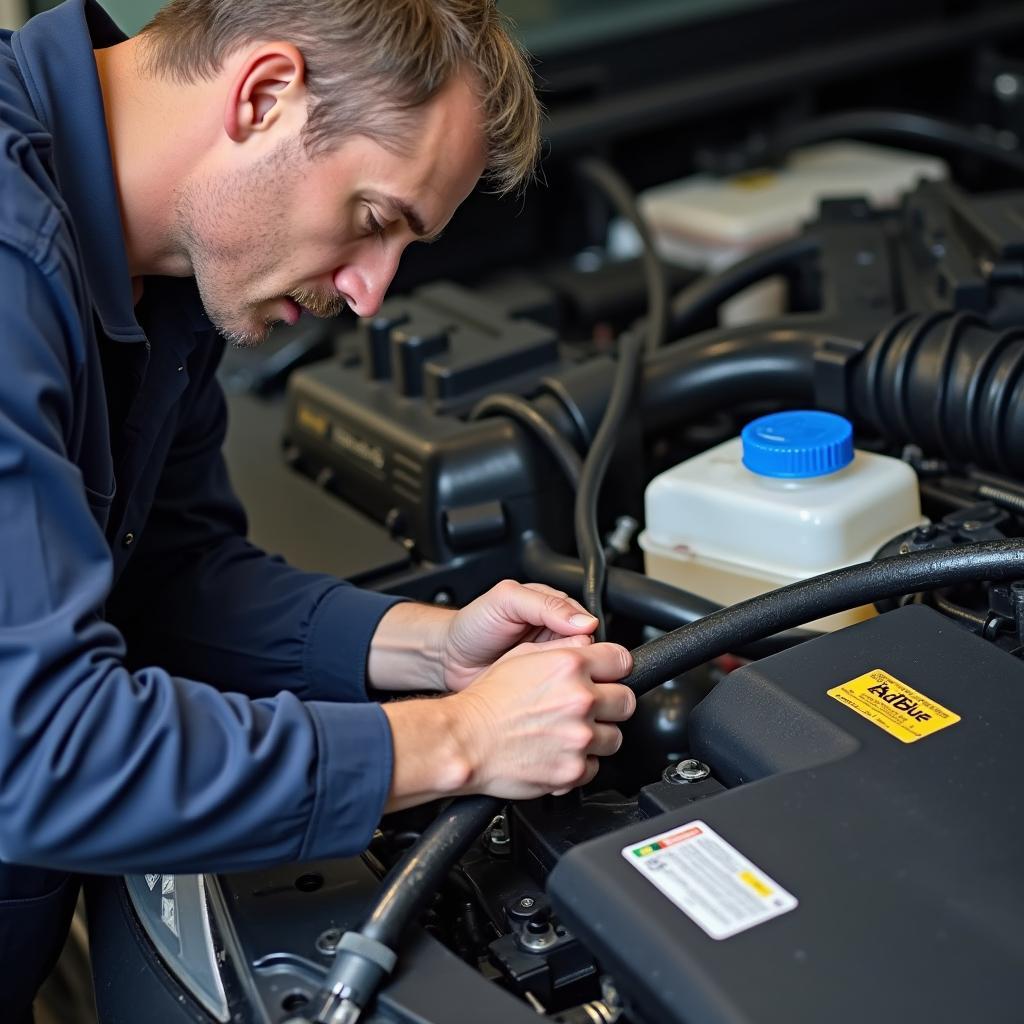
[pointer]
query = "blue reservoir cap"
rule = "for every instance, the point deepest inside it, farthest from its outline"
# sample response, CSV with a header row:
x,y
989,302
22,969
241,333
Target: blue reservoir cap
x,y
792,445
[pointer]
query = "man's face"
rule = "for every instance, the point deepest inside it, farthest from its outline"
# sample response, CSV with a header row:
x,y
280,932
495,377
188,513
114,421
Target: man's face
x,y
289,231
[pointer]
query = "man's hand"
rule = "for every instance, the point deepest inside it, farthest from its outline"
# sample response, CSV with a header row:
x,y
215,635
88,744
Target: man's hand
x,y
534,723
509,614
422,647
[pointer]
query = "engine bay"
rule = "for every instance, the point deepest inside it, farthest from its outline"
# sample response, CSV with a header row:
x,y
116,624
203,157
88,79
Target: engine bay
x,y
810,819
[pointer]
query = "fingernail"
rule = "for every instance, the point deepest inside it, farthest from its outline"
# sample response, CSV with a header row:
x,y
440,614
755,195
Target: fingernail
x,y
581,619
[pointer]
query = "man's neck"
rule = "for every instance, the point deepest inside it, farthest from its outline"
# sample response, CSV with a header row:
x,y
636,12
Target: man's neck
x,y
155,137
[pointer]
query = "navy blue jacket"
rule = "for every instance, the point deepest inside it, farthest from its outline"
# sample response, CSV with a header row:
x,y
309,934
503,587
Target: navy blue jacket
x,y
171,698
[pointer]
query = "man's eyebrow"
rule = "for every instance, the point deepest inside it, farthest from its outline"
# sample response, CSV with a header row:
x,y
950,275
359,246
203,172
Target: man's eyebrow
x,y
412,218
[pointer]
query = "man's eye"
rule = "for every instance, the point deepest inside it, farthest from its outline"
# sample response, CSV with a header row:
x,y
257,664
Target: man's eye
x,y
373,226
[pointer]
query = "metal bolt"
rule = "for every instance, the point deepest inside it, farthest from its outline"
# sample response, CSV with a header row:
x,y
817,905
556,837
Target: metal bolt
x,y
620,539
327,942
690,770
444,598
498,839
923,534
536,937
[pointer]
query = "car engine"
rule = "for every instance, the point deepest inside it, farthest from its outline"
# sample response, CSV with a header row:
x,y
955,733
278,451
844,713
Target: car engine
x,y
805,823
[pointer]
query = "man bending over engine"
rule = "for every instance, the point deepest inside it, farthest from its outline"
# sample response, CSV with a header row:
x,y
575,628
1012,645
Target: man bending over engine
x,y
172,699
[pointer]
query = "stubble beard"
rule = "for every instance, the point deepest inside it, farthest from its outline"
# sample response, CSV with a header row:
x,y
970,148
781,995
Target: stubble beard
x,y
210,218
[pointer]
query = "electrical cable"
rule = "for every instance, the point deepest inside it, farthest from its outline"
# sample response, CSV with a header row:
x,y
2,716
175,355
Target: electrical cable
x,y
640,598
994,480
631,346
523,412
1009,498
896,126
965,616
707,293
932,492
588,536
619,193
832,592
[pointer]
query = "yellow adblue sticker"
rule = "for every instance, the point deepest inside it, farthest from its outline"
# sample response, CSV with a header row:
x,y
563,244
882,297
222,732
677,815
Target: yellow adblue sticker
x,y
899,709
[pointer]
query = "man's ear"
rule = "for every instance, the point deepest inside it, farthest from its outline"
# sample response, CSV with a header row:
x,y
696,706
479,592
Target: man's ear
x,y
269,83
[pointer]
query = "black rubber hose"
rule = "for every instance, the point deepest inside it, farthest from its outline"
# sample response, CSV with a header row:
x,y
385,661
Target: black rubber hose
x,y
913,130
949,383
618,192
640,598
588,534
696,377
724,631
724,368
540,426
706,294
416,877
944,381
365,958
630,350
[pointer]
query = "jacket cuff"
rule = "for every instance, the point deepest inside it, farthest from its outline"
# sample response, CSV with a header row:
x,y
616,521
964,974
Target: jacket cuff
x,y
353,778
338,642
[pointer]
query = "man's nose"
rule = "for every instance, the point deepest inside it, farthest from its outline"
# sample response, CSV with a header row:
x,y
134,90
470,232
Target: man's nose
x,y
364,282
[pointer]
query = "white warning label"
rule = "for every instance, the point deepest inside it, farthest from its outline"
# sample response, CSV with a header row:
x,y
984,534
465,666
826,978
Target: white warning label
x,y
709,880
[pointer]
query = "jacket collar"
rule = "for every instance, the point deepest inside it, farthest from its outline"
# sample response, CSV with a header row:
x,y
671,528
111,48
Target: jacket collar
x,y
55,53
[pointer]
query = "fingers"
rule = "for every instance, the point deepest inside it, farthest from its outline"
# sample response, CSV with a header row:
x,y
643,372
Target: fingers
x,y
608,663
540,605
589,771
543,588
614,703
560,643
607,740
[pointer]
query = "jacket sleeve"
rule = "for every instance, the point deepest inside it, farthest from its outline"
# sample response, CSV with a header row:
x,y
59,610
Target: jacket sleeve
x,y
103,769
199,598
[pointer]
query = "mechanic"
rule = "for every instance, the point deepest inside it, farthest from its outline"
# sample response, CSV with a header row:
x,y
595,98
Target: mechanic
x,y
171,698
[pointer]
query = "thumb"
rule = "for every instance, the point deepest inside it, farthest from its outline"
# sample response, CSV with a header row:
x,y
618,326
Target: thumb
x,y
541,605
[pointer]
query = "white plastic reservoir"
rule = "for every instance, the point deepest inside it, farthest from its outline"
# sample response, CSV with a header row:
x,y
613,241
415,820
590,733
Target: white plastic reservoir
x,y
790,498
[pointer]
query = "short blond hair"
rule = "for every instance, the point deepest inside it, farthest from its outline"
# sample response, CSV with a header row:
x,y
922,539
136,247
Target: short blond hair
x,y
370,64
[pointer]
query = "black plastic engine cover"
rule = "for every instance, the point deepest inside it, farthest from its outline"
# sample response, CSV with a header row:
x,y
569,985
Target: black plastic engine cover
x,y
386,429
905,857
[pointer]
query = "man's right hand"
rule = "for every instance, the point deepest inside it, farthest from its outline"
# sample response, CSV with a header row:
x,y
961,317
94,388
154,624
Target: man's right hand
x,y
536,722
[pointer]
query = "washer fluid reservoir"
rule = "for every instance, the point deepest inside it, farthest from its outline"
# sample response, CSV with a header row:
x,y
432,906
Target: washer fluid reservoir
x,y
789,499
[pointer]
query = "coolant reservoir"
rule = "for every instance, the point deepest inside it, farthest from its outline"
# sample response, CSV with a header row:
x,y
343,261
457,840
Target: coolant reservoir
x,y
790,498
